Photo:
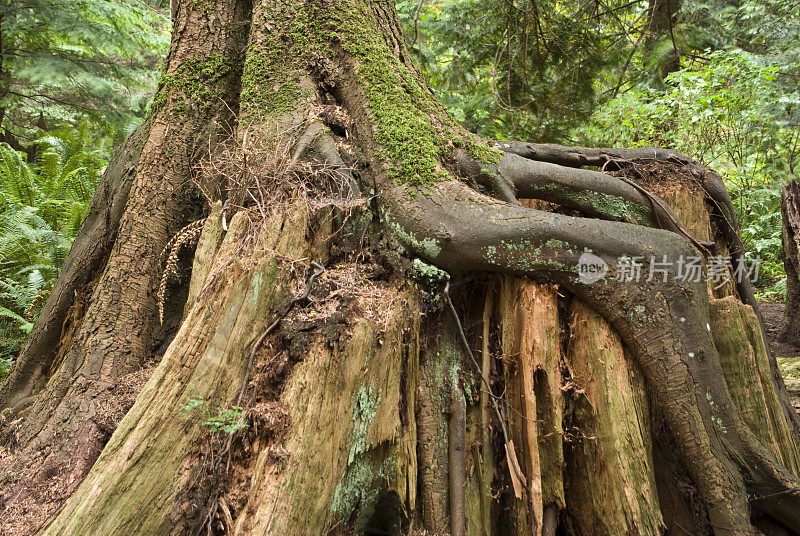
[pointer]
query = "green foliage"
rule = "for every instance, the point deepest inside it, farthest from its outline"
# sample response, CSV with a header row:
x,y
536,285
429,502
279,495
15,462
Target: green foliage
x,y
195,402
61,61
88,65
515,69
729,111
229,420
733,112
42,205
759,209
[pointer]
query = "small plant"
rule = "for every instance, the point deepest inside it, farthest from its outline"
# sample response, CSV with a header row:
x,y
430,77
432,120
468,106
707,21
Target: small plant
x,y
195,402
229,420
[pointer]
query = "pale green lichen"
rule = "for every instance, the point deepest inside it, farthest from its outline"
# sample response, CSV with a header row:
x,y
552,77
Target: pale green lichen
x,y
360,487
427,247
608,206
364,411
428,275
255,294
557,244
357,487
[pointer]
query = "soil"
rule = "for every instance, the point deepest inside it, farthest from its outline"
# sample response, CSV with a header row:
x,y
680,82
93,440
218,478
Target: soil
x,y
787,355
773,319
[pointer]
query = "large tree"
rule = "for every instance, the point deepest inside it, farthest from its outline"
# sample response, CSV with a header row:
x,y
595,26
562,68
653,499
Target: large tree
x,y
790,209
295,132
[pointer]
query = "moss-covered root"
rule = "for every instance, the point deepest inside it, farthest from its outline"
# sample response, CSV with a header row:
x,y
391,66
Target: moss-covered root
x,y
592,193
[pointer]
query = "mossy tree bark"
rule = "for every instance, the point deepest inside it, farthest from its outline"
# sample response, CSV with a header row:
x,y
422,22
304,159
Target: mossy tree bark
x,y
364,410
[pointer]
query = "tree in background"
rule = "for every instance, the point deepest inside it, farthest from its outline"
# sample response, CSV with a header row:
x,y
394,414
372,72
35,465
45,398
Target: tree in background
x,y
60,61
518,69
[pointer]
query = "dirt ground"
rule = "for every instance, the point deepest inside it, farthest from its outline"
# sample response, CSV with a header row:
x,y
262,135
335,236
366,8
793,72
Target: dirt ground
x,y
788,356
773,317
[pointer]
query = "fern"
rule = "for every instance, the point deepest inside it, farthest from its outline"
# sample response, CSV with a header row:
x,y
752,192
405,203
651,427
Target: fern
x,y
42,206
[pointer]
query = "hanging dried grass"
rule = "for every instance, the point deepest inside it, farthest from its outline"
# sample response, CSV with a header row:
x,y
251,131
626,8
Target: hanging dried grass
x,y
265,171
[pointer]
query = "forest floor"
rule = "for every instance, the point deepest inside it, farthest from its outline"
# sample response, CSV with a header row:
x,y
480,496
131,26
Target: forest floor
x,y
788,356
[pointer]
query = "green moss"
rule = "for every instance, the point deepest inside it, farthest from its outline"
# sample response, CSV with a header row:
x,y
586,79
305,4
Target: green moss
x,y
269,84
196,81
482,152
401,109
412,133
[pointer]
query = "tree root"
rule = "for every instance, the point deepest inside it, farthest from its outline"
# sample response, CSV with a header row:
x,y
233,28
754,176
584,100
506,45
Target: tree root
x,y
712,184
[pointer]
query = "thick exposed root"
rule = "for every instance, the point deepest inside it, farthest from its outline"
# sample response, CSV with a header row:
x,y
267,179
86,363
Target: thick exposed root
x,y
716,192
665,324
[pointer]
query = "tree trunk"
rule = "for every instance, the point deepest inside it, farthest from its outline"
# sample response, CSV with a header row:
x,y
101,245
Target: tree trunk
x,y
661,53
81,368
790,208
447,370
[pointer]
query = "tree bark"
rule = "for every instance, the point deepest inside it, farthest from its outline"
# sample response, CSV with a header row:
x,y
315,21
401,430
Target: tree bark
x,y
98,328
363,407
790,209
661,53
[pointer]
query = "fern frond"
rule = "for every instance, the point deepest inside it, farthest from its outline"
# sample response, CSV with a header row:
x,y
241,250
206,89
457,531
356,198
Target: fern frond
x,y
171,250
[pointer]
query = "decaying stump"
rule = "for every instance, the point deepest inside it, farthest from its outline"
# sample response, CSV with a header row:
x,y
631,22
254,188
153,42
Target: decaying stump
x,y
612,407
351,425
